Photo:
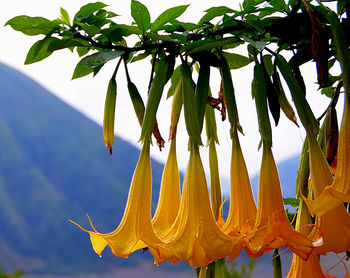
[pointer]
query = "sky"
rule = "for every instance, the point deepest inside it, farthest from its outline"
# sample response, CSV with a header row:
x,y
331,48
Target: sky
x,y
88,94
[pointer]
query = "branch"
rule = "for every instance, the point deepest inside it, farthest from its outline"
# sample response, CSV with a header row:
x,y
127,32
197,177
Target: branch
x,y
126,49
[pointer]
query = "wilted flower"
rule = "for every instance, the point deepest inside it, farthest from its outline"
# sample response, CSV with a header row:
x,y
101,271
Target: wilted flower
x,y
195,237
135,230
272,228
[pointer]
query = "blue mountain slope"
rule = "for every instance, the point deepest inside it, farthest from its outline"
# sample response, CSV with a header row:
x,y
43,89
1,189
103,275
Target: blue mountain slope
x,y
54,167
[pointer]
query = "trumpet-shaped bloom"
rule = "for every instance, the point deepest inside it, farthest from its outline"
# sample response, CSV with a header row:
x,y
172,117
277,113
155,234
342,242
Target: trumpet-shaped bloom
x,y
169,196
336,193
135,230
334,224
272,228
195,236
242,212
299,267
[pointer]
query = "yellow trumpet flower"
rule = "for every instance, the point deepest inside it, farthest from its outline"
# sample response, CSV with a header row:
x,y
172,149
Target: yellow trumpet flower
x,y
272,228
299,267
337,192
242,212
169,195
195,237
135,231
334,224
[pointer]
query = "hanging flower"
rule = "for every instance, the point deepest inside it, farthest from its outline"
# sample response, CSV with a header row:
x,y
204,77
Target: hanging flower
x,y
242,212
169,195
272,228
334,239
337,191
195,237
135,231
299,267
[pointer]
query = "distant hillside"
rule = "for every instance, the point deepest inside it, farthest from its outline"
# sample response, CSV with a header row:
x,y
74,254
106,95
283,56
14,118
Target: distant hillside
x,y
54,167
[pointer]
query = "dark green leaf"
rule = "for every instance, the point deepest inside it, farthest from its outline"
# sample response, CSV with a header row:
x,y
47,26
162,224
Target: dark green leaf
x,y
87,10
268,65
213,44
64,43
80,70
167,16
97,69
180,26
32,26
266,11
141,15
91,30
254,21
251,3
279,5
139,57
174,80
39,50
291,202
236,61
65,16
100,58
214,12
82,50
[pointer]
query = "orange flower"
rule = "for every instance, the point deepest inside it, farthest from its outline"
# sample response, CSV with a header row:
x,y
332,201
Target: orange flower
x,y
135,230
335,193
241,217
195,237
334,224
299,267
169,195
272,228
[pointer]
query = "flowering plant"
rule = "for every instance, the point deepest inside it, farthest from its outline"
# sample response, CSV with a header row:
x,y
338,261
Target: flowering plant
x,y
189,226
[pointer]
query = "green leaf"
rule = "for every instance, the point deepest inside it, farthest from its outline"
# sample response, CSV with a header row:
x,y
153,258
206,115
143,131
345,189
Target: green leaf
x,y
32,26
260,45
87,10
39,50
236,61
254,22
57,44
180,26
251,3
207,44
141,15
167,16
100,58
80,71
139,57
268,63
279,5
65,16
91,30
294,202
174,80
259,93
82,50
215,12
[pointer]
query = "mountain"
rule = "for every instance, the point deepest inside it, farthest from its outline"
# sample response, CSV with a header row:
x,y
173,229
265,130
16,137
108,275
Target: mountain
x,y
54,167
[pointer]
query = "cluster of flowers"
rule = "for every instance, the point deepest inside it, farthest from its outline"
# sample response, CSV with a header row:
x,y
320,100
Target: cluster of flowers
x,y
187,227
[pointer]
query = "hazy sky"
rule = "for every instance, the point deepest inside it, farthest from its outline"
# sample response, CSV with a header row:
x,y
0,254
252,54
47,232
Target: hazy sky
x,y
87,94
